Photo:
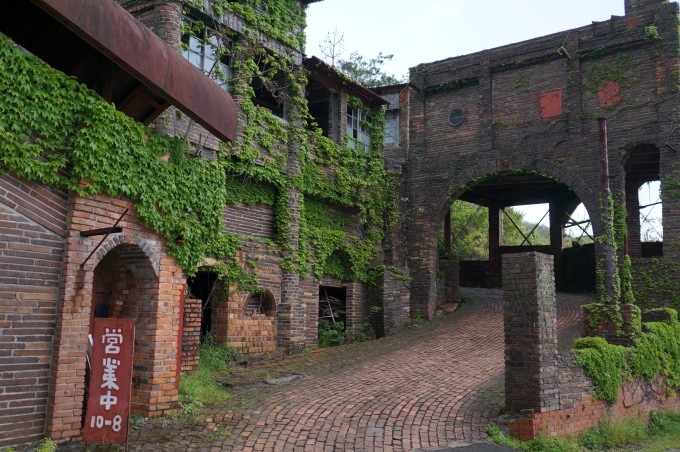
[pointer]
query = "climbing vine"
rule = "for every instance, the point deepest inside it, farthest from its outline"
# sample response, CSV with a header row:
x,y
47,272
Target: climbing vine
x,y
655,353
60,133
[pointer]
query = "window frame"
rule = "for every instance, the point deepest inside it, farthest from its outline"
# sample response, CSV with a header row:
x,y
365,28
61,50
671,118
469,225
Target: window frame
x,y
359,137
207,40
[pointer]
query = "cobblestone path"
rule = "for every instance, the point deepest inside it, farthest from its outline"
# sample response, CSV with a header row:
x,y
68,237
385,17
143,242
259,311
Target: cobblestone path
x,y
434,385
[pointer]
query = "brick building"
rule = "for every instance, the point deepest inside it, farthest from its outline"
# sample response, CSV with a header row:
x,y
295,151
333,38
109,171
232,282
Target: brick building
x,y
523,114
59,271
517,125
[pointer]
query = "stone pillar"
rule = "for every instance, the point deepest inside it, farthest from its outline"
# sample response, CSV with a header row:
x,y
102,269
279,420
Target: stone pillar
x,y
529,318
633,219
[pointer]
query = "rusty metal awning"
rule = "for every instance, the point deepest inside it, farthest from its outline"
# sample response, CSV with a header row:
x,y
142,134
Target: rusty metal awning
x,y
107,49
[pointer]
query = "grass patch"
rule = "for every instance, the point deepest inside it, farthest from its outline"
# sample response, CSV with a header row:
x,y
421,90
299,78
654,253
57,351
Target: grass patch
x,y
200,388
663,433
540,444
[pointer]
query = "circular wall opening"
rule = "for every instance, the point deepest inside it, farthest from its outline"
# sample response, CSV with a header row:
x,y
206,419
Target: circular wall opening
x,y
456,117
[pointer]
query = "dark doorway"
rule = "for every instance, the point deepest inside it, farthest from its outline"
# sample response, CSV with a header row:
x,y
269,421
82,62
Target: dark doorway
x,y
333,304
203,286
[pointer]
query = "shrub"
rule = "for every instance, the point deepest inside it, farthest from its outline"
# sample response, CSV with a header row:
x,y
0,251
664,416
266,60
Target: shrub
x,y
331,334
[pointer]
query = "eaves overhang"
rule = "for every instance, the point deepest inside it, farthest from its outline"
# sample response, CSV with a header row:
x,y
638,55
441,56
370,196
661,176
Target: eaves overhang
x,y
106,48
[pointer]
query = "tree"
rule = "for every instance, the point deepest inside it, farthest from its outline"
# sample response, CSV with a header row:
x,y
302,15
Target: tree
x,y
333,46
470,231
368,73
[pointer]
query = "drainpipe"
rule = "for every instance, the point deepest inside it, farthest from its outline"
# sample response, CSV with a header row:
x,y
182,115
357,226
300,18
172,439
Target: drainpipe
x,y
607,215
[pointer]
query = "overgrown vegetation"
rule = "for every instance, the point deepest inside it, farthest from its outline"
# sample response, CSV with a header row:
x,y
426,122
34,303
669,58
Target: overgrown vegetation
x,y
201,389
49,124
655,353
331,334
662,433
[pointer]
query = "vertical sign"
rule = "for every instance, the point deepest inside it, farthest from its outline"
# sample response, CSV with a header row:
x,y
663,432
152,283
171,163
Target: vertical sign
x,y
108,406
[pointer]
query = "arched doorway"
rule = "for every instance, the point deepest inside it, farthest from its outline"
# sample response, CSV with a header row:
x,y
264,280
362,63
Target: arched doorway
x,y
534,182
125,285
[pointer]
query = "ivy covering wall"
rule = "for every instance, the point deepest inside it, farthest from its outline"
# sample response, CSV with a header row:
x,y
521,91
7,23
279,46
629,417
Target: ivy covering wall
x,y
58,132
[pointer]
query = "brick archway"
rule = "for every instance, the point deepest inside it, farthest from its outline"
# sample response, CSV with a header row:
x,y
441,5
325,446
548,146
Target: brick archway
x,y
545,167
126,285
423,251
126,239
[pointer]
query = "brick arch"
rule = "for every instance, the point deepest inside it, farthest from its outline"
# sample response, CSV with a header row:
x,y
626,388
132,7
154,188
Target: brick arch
x,y
423,251
549,168
143,247
269,302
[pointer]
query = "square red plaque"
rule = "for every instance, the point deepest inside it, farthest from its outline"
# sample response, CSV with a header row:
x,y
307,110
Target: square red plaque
x,y
551,104
609,93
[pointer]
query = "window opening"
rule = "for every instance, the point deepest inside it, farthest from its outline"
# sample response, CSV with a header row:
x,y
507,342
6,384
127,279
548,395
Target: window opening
x,y
359,129
261,303
651,227
209,52
270,93
578,229
526,225
651,221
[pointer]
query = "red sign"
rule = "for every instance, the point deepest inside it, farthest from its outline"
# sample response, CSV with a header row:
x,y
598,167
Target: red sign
x,y
609,93
551,104
108,406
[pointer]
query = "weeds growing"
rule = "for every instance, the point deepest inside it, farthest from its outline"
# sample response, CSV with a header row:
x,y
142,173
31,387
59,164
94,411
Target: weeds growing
x,y
200,388
662,433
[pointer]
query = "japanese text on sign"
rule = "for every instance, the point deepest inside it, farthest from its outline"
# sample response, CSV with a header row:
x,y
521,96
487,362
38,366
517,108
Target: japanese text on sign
x,y
108,406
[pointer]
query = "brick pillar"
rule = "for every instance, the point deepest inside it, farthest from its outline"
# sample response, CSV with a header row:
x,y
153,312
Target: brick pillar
x,y
165,20
292,312
529,318
356,306
633,219
191,335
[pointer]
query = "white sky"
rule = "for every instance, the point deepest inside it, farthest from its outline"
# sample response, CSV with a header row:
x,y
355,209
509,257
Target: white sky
x,y
431,30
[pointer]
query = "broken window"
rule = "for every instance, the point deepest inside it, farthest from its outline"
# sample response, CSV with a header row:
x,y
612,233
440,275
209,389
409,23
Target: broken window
x,y
208,51
271,92
359,129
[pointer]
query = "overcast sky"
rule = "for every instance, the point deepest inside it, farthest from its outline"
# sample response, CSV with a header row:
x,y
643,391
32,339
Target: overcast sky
x,y
429,30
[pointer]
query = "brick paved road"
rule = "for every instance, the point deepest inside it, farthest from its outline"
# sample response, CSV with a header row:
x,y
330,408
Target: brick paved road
x,y
435,385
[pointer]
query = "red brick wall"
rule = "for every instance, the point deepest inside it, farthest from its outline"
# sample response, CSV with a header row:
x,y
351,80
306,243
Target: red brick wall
x,y
191,335
158,283
636,398
32,231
